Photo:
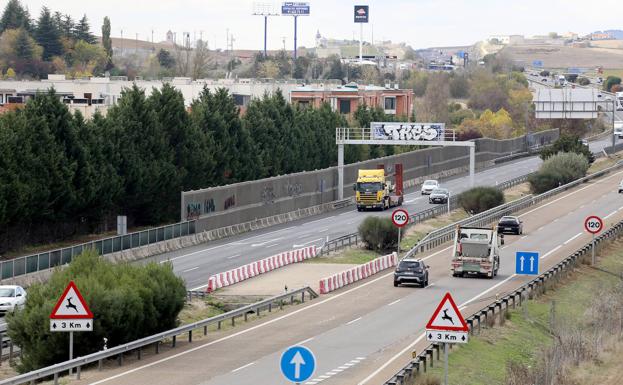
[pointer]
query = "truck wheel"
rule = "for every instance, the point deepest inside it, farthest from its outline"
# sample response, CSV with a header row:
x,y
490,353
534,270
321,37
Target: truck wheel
x,y
359,209
396,283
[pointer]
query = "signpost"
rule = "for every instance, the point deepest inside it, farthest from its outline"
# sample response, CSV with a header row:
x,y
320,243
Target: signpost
x,y
295,9
297,364
593,224
362,15
527,263
400,218
71,314
447,326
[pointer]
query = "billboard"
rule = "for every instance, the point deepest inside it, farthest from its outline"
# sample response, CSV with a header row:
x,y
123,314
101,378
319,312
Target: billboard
x,y
295,8
362,13
537,63
407,131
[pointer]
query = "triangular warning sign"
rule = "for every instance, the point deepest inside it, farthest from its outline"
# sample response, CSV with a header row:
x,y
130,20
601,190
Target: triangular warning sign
x,y
447,317
71,305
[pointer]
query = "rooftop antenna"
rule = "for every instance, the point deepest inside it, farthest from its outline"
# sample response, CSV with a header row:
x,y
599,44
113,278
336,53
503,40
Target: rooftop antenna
x,y
265,10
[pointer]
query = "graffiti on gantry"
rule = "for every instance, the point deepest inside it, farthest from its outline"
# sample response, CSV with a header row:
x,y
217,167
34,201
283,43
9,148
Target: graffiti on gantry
x,y
293,189
193,210
267,195
229,202
209,206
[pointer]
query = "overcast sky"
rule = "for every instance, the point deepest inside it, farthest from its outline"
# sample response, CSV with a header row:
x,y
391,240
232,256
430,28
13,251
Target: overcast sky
x,y
420,23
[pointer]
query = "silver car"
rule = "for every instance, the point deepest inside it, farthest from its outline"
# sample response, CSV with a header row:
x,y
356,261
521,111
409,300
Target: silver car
x,y
11,298
429,186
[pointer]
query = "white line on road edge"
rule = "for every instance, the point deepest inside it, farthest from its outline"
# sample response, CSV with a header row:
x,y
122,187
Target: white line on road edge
x,y
242,367
307,243
551,251
267,241
611,214
187,270
234,256
438,252
305,341
393,303
572,238
271,245
353,321
193,253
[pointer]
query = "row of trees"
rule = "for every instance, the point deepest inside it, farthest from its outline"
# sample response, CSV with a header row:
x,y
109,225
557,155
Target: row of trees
x,y
54,43
61,174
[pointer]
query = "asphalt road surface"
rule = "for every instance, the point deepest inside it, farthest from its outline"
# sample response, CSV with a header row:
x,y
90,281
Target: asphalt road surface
x,y
196,264
364,333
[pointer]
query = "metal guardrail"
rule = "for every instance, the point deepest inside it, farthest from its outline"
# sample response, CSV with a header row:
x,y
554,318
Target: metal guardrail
x,y
447,233
533,288
50,259
414,218
55,370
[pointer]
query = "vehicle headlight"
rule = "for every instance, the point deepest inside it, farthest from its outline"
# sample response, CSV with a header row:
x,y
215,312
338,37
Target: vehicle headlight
x,y
5,304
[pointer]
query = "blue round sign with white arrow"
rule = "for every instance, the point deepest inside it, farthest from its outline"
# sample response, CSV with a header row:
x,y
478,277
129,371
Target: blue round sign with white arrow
x,y
298,363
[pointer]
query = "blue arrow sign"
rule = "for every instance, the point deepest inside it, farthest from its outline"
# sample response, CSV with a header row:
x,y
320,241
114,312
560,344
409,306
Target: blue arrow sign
x,y
527,262
298,364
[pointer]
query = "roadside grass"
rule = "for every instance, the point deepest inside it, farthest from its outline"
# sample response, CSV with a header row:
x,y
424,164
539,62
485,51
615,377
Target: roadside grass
x,y
603,163
517,192
484,360
612,72
352,256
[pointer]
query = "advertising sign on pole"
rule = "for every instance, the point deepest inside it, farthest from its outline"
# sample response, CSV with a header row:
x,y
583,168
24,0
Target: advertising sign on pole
x,y
362,13
295,8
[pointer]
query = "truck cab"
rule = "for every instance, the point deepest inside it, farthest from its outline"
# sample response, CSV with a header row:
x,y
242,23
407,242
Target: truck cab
x,y
374,190
476,252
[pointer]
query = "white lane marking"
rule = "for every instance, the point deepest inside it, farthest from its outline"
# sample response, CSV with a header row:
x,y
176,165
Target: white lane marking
x,y
361,358
540,228
305,341
353,321
429,285
245,331
343,367
242,367
307,243
199,287
234,256
265,242
271,245
572,238
611,214
337,370
193,253
523,237
620,208
324,377
551,251
191,269
350,223
565,196
393,303
348,364
417,340
438,252
322,230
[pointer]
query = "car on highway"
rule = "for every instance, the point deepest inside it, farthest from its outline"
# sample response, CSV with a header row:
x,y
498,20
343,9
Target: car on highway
x,y
11,298
439,195
584,142
544,79
621,187
429,186
509,224
411,270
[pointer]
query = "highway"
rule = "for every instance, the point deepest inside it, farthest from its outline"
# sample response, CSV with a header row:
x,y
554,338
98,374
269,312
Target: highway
x,y
195,264
364,333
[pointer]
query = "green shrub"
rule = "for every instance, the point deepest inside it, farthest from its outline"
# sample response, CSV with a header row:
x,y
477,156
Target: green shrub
x,y
379,234
568,143
584,81
557,170
128,302
479,199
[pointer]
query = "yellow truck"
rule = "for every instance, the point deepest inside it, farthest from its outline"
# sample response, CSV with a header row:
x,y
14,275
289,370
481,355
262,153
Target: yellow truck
x,y
374,190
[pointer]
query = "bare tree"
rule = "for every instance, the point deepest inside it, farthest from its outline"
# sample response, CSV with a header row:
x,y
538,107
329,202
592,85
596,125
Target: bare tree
x,y
201,60
435,103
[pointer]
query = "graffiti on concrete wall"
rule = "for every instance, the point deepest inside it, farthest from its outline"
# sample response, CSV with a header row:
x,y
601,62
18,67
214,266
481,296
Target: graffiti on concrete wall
x,y
293,189
209,206
267,195
193,210
229,202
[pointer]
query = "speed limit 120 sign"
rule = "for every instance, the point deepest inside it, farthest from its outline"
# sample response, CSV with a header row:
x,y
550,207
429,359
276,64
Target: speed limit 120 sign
x,y
593,224
400,217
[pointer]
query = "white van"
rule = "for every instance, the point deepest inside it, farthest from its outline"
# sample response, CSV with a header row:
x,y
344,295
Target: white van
x,y
618,128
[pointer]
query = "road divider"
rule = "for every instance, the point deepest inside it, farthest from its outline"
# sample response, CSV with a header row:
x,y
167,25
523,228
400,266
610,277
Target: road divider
x,y
262,266
357,273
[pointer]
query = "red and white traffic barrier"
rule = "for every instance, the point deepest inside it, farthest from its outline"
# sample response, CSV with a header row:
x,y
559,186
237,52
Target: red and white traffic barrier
x,y
265,265
357,273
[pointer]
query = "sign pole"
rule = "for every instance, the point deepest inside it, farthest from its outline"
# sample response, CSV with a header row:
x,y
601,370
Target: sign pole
x,y
71,348
445,364
360,42
448,202
399,241
593,251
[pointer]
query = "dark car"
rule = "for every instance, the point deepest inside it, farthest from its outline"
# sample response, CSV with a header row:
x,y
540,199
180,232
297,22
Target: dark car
x,y
511,225
411,271
439,195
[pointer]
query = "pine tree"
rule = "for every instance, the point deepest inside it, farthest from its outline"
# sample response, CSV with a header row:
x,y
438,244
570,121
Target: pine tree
x,y
14,16
23,47
107,42
48,36
82,31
